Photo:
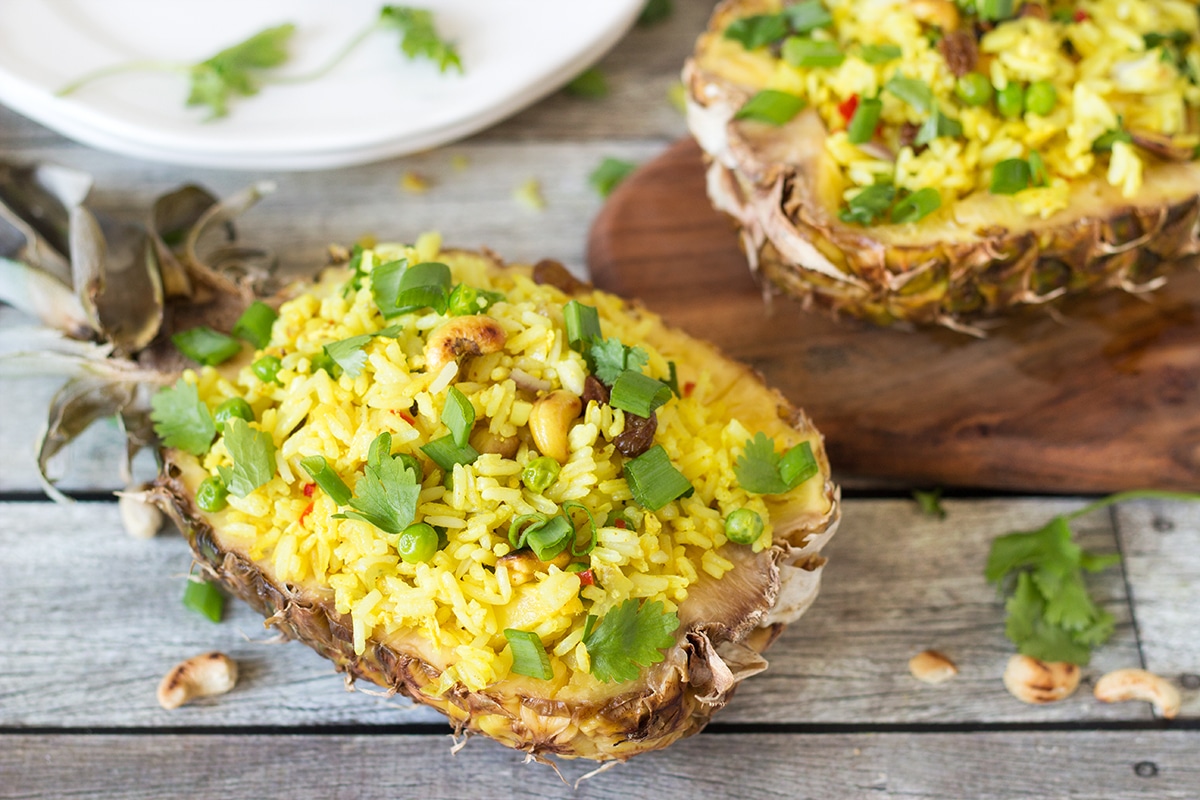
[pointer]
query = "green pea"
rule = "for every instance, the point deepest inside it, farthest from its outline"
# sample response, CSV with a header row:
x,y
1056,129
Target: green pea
x,y
1041,98
974,89
1010,101
233,407
212,494
267,369
417,543
743,526
540,474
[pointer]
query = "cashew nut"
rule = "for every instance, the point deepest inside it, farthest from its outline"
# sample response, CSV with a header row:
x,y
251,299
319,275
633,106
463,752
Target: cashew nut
x,y
1033,681
941,13
523,565
141,518
1138,684
463,336
550,420
200,676
930,666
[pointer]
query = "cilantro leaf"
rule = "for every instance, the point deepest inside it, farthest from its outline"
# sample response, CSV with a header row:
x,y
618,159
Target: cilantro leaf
x,y
181,419
419,37
253,454
609,173
757,468
629,637
386,495
349,354
231,71
930,502
608,358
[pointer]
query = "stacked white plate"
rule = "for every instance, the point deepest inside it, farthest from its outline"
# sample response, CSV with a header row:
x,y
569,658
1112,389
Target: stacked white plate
x,y
374,105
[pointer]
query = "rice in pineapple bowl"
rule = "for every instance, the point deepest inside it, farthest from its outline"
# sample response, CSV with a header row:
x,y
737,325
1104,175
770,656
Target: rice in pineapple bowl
x,y
532,506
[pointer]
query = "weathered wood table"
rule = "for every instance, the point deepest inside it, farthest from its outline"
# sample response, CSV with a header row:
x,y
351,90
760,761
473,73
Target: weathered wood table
x,y
92,618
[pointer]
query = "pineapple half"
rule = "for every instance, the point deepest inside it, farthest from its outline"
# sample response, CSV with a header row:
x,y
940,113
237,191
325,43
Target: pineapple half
x,y
338,585
1114,194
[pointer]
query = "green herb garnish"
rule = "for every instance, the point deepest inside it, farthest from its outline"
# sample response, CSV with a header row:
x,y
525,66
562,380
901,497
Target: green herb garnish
x,y
638,394
583,325
869,205
761,470
654,12
529,654
386,495
880,53
608,358
1010,176
590,84
653,480
930,502
237,70
866,117
254,325
913,91
253,454
459,416
445,452
772,107
349,354
324,475
609,173
916,206
206,346
936,126
204,598
801,52
629,637
181,419
758,30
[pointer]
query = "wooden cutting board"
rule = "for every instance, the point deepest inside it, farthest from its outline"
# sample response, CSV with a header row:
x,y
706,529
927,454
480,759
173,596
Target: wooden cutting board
x,y
1102,396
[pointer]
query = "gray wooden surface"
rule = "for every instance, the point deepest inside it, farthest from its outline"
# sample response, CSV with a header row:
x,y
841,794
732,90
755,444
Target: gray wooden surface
x,y
92,617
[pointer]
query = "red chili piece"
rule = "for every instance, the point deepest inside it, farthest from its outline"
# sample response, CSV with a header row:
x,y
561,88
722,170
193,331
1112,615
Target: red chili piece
x,y
847,107
404,415
619,522
1081,15
306,512
688,388
309,488
586,578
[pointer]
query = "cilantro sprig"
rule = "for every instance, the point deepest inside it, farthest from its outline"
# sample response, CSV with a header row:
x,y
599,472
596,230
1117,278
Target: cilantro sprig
x,y
253,454
608,358
629,637
243,68
762,470
1050,615
181,419
386,495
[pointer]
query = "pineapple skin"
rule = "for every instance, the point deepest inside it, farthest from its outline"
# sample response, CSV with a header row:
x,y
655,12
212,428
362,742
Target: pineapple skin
x,y
774,184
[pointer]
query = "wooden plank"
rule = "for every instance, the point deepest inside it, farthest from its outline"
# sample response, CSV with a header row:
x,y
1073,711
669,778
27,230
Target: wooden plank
x,y
97,620
1098,398
1161,545
984,766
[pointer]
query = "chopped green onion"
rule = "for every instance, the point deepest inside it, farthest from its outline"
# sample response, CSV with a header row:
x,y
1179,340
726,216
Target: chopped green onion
x,y
801,52
590,84
254,325
771,106
995,10
798,464
758,30
610,173
1106,140
322,361
1010,176
937,126
529,654
410,462
459,416
379,449
425,285
418,543
916,206
549,538
743,526
206,346
1038,175
540,474
211,495
521,524
583,324
445,452
466,300
868,205
589,622
638,394
233,407
808,15
654,12
330,482
204,598
913,91
385,286
880,53
591,543
865,120
266,369
673,379
653,479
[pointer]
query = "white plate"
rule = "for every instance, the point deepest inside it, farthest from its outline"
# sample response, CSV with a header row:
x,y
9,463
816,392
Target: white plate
x,y
376,104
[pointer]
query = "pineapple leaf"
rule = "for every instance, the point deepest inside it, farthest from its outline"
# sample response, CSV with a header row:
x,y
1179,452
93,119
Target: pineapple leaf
x,y
181,419
629,637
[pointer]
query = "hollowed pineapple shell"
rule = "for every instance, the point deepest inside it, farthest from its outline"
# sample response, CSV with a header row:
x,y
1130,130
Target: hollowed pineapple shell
x,y
782,189
724,625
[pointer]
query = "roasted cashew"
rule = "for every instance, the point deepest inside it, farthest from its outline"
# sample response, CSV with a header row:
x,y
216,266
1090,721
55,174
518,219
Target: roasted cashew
x,y
941,13
1138,684
550,420
1033,681
930,666
200,676
463,336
